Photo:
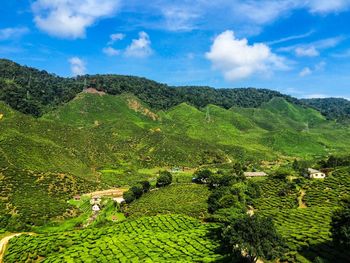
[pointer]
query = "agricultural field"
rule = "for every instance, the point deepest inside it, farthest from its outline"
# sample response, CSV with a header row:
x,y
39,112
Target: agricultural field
x,y
167,238
306,229
189,199
31,198
118,177
328,192
276,194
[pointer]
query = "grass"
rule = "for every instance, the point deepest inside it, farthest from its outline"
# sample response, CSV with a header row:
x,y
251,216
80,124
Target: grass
x,y
188,199
171,238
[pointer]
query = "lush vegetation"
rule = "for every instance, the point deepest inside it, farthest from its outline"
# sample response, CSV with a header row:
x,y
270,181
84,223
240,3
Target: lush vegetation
x,y
32,91
333,108
256,236
188,199
121,137
30,198
340,226
150,239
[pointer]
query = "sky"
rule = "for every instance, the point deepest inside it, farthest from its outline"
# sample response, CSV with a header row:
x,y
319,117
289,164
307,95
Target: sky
x,y
298,47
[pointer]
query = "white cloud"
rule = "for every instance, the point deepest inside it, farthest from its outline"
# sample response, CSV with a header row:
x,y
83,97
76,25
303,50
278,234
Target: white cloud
x,y
289,38
109,51
12,32
313,49
237,59
305,72
115,37
70,18
308,71
140,47
77,66
328,6
320,66
307,52
244,15
179,18
344,54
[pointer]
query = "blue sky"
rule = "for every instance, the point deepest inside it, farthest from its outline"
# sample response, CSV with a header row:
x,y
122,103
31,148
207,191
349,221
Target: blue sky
x,y
298,47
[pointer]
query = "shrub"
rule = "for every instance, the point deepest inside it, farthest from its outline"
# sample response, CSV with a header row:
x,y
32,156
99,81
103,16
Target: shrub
x,y
129,196
165,178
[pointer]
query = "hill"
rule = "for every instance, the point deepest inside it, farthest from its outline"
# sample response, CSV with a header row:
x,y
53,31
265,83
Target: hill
x,y
36,92
332,108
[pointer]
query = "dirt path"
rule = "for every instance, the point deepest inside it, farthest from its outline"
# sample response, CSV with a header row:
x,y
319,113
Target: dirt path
x,y
116,192
300,199
3,244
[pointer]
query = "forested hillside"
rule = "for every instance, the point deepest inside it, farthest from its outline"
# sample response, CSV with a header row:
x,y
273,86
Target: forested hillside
x,y
332,108
35,92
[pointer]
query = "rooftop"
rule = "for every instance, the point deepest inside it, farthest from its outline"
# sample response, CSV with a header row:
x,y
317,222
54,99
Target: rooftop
x,y
254,174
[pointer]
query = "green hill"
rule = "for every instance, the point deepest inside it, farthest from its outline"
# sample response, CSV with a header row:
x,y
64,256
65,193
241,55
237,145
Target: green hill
x,y
83,134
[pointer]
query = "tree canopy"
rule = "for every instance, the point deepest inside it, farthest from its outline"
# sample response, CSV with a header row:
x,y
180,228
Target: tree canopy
x,y
254,237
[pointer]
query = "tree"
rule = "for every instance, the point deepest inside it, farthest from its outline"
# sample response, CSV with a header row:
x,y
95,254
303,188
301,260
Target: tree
x,y
145,186
201,176
137,190
254,237
340,226
282,173
129,196
165,178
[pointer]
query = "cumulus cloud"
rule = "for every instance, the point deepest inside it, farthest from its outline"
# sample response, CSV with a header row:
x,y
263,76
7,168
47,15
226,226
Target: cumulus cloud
x,y
307,52
77,66
70,18
12,32
109,51
140,47
238,60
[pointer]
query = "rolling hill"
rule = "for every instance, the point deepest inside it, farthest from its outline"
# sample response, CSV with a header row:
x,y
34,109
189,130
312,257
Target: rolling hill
x,y
133,123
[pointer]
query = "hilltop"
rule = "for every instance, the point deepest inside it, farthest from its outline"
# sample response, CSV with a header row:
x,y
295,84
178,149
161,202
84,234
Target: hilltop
x,y
36,92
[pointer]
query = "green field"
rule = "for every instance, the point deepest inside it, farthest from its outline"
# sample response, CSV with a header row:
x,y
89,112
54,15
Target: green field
x,y
172,238
306,230
188,199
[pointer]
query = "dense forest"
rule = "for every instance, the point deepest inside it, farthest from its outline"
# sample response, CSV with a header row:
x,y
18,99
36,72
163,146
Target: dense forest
x,y
332,108
36,92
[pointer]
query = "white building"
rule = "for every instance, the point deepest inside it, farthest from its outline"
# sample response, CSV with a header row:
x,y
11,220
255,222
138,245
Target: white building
x,y
315,174
95,208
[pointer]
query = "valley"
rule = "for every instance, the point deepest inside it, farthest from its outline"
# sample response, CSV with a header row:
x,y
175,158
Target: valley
x,y
167,166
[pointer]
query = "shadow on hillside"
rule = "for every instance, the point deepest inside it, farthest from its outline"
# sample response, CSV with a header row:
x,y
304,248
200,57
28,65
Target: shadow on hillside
x,y
325,252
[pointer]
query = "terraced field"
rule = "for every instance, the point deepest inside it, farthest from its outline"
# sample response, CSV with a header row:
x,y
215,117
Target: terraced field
x,y
330,191
276,194
188,199
171,238
306,229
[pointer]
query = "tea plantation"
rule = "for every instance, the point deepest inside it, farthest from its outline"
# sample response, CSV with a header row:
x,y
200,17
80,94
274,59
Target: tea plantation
x,y
171,238
188,199
306,229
